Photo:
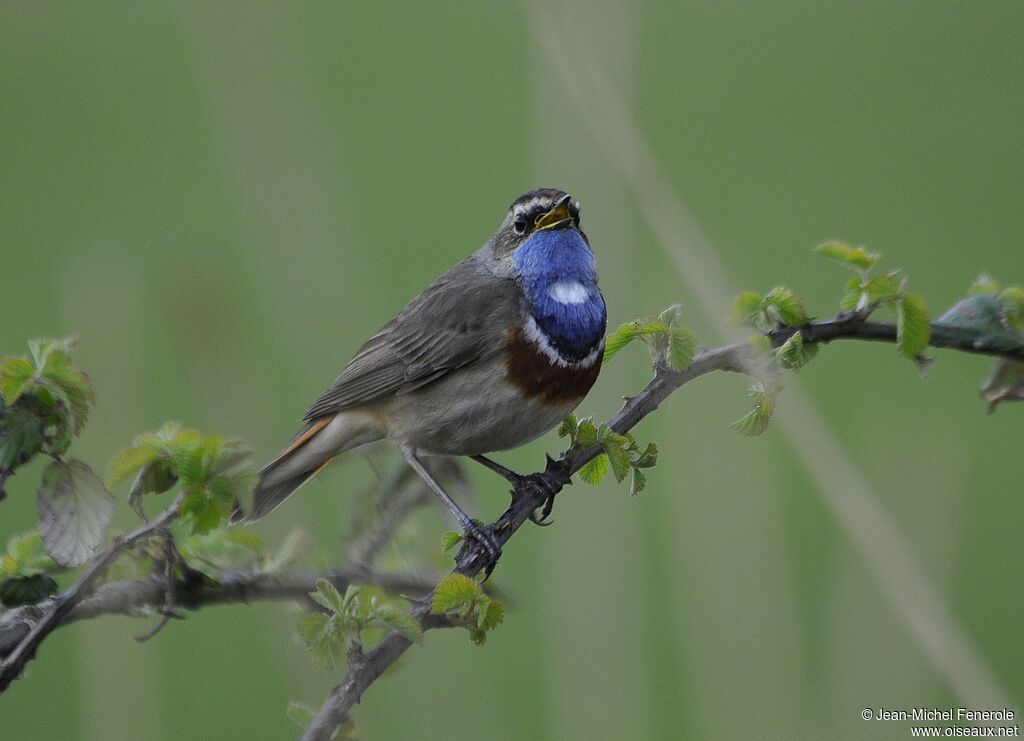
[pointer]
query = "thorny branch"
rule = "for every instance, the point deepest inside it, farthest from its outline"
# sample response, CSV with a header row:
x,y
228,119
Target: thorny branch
x,y
534,491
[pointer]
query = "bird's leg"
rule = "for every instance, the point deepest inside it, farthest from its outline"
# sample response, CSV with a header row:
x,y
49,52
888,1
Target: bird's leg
x,y
506,473
480,533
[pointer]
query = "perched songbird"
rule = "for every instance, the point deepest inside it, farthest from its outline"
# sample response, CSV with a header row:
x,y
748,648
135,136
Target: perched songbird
x,y
491,355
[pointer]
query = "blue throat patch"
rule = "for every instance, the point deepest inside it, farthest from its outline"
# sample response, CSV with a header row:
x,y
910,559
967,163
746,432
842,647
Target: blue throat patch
x,y
555,256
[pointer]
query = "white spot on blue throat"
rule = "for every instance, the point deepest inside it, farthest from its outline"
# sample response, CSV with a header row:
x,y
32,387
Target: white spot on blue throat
x,y
559,279
568,292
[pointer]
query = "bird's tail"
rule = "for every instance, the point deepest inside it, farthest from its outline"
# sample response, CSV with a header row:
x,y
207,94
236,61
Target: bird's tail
x,y
309,452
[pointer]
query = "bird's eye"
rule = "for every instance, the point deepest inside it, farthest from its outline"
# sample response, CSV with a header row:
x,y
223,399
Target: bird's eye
x,y
519,225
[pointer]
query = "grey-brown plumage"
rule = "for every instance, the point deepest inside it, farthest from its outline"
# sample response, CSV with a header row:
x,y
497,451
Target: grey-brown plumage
x,y
438,378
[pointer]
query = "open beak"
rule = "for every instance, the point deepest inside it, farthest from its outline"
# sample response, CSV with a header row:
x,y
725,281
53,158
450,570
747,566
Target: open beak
x,y
558,217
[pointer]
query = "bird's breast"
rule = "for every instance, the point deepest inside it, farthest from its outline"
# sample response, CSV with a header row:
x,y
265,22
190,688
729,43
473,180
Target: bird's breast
x,y
540,372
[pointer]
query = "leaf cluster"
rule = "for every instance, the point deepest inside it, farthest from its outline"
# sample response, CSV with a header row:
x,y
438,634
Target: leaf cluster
x,y
668,342
463,599
214,471
44,401
331,634
868,291
620,453
25,571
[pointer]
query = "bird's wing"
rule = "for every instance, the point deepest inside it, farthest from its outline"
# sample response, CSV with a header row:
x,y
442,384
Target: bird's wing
x,y
459,319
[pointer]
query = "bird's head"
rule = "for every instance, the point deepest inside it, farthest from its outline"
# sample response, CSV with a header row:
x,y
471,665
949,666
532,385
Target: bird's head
x,y
534,212
541,246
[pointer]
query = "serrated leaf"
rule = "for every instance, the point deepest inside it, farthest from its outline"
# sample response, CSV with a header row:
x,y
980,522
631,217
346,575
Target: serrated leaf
x,y
883,288
454,591
27,590
477,636
755,422
593,471
69,383
618,458
327,595
401,621
26,557
912,328
299,714
745,307
781,306
795,353
618,339
129,461
40,348
567,428
856,258
682,346
586,433
221,550
492,614
74,511
324,637
449,540
637,482
648,458
201,512
16,377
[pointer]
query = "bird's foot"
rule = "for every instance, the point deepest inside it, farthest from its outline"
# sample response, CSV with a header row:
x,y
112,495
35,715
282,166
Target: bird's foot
x,y
484,536
545,485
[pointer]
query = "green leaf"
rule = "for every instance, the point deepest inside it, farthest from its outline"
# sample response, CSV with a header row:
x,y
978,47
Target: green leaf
x,y
69,383
324,637
593,471
40,348
648,458
883,288
637,482
21,437
202,513
74,511
16,377
128,461
454,591
795,353
326,594
294,543
492,613
682,346
745,307
912,328
586,433
781,306
568,426
618,457
856,258
26,557
401,621
629,332
477,636
449,540
299,714
27,590
755,422
1012,299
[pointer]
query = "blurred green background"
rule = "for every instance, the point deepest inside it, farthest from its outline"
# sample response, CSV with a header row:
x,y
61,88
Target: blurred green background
x,y
225,200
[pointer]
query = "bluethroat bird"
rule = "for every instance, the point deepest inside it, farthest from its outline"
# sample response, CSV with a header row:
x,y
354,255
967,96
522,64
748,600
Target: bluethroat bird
x,y
493,354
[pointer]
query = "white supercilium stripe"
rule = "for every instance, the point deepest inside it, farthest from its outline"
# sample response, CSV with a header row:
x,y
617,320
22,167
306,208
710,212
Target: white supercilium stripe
x,y
535,333
568,292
